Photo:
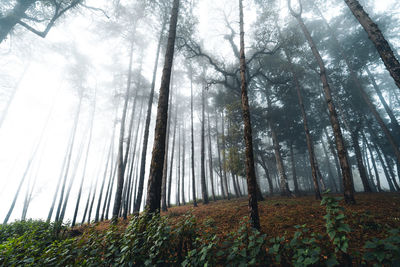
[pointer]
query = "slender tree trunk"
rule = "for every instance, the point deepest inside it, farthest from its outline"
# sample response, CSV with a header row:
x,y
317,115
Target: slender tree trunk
x,y
138,201
111,189
283,184
264,166
192,139
157,161
210,160
85,163
223,192
361,167
250,170
183,163
337,165
165,167
97,216
112,169
71,181
376,36
224,157
87,203
378,182
76,120
204,192
296,185
178,169
385,170
340,145
328,163
121,161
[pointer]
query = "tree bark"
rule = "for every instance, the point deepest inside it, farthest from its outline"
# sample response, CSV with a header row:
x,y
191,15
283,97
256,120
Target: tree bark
x,y
121,161
250,171
192,138
210,163
340,145
296,185
283,183
155,178
204,192
361,167
223,192
376,36
165,165
138,200
183,164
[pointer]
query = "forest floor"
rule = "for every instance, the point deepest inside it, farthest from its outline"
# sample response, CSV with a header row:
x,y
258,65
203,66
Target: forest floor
x,y
278,215
369,218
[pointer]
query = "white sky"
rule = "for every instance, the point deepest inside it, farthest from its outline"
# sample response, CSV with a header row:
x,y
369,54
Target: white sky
x,y
44,85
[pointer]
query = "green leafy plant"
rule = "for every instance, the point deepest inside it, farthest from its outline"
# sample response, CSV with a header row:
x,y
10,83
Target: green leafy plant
x,y
384,251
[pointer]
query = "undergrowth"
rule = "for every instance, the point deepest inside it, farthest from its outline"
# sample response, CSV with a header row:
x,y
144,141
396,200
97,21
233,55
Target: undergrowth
x,y
152,240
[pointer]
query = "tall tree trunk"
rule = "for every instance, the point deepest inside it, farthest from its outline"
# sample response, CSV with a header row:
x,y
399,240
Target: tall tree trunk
x,y
210,160
165,167
85,162
378,182
223,192
87,203
138,201
76,120
224,157
183,163
97,215
337,165
283,183
71,181
376,36
361,167
120,158
192,139
269,180
204,192
296,185
328,163
178,169
250,170
157,161
340,145
385,169
111,189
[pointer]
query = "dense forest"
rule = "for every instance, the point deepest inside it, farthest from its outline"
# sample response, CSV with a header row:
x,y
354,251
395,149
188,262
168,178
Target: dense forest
x,y
199,133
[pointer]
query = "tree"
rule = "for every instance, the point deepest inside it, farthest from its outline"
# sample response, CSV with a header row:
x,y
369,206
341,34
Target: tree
x,y
157,160
340,145
26,12
204,192
250,170
375,35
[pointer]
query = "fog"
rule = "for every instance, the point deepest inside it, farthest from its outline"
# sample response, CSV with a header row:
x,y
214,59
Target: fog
x,y
62,100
